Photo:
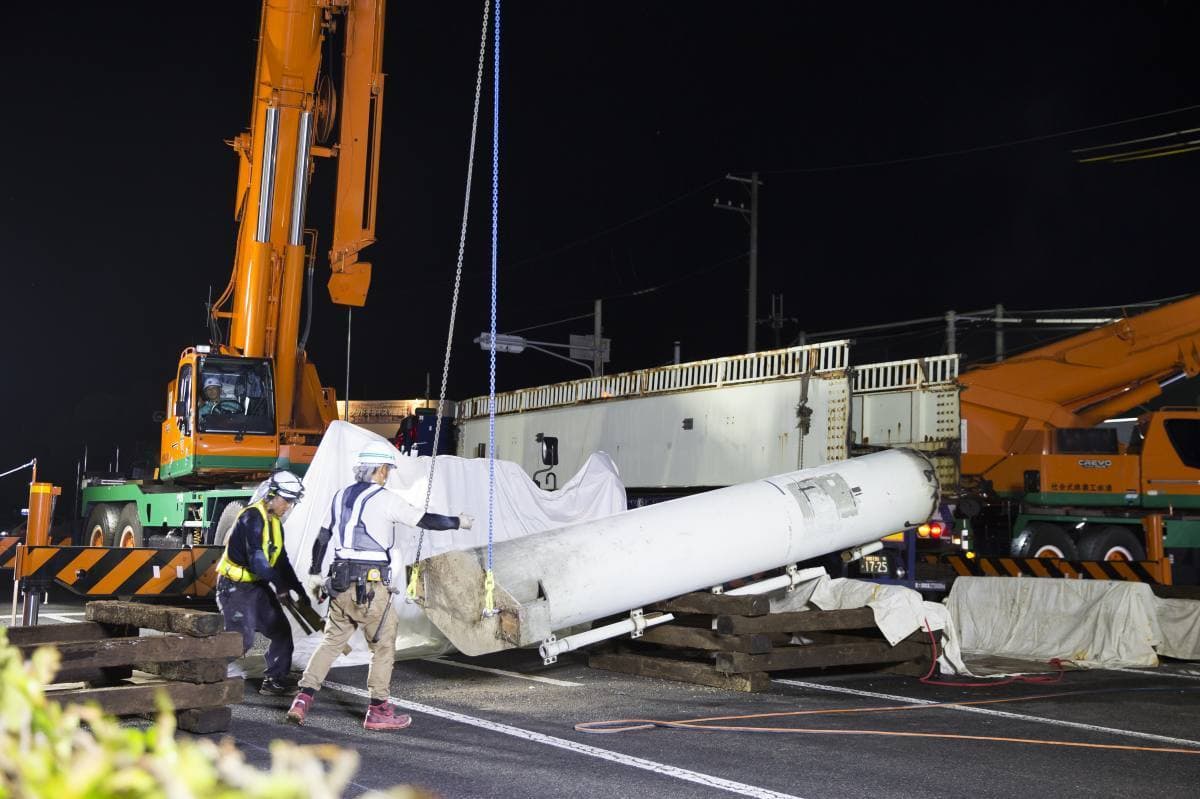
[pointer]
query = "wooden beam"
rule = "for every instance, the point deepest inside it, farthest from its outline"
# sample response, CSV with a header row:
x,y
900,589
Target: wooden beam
x,y
165,619
692,638
54,633
705,602
203,721
798,621
819,656
200,671
132,700
150,648
681,670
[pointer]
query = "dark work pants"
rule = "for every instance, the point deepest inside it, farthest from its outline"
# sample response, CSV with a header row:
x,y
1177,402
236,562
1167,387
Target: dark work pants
x,y
251,608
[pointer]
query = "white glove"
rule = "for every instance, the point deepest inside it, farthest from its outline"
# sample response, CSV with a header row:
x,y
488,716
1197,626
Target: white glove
x,y
315,584
465,520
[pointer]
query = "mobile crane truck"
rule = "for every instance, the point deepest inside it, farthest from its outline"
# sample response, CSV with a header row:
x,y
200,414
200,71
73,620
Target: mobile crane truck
x,y
249,401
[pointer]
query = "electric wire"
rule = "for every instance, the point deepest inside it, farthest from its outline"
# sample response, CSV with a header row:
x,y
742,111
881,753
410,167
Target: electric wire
x,y
975,149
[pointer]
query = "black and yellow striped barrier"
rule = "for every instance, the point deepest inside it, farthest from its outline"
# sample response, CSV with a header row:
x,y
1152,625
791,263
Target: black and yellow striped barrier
x,y
8,550
109,571
1146,571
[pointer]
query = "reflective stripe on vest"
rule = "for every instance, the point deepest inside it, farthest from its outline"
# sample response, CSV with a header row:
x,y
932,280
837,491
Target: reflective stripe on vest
x,y
272,545
353,541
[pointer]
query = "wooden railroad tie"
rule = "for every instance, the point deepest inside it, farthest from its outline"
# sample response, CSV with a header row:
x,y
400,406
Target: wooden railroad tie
x,y
187,660
735,642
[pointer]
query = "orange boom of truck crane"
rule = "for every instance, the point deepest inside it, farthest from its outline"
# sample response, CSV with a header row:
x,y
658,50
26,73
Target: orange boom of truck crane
x,y
1039,474
250,401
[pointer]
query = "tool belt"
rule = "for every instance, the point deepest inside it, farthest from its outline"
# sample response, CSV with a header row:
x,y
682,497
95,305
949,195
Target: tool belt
x,y
361,575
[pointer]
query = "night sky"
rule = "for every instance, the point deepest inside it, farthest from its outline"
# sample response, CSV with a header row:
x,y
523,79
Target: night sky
x,y
619,123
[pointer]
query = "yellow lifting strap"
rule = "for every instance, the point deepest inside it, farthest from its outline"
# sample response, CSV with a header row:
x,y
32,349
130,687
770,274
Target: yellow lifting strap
x,y
489,590
410,595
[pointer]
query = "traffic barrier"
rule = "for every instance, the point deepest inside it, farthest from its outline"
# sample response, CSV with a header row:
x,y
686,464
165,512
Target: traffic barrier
x,y
1146,571
106,571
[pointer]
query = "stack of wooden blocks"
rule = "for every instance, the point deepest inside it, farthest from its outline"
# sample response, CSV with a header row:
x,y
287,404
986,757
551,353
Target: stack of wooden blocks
x,y
735,642
187,660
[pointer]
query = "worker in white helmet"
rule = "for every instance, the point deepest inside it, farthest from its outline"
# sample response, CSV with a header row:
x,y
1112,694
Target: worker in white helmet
x,y
212,396
363,576
254,572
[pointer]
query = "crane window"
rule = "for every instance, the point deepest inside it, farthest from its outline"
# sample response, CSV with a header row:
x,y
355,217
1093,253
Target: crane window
x,y
235,396
1184,435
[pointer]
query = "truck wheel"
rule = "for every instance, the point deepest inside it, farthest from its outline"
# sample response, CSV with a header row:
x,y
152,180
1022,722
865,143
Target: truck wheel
x,y
129,527
1044,540
1111,542
101,527
225,522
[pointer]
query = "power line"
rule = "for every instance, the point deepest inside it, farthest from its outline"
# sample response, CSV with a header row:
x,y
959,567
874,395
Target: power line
x,y
977,149
605,231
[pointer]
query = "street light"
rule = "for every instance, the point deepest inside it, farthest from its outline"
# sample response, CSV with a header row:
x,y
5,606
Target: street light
x,y
518,344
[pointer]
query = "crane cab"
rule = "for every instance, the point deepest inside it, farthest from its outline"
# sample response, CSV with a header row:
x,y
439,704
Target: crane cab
x,y
220,416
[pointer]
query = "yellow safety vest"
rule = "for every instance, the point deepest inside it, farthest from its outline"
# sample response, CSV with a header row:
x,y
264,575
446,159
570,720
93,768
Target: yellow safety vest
x,y
272,544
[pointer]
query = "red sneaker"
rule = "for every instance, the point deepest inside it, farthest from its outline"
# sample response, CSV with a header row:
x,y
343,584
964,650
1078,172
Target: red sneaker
x,y
300,706
384,717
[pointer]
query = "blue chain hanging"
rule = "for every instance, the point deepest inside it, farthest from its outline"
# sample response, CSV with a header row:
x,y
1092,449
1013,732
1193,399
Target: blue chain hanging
x,y
489,602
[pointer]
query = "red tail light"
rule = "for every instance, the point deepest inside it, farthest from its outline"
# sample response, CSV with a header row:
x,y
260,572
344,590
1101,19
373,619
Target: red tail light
x,y
931,530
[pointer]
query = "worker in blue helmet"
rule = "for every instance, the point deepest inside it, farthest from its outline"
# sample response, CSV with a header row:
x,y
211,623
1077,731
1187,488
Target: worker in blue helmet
x,y
364,575
254,572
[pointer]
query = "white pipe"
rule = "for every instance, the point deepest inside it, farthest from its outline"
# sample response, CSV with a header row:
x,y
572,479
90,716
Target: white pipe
x,y
553,647
561,578
788,581
857,553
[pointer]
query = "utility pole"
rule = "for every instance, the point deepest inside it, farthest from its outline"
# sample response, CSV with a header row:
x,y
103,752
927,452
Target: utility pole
x,y
999,332
776,320
751,215
951,339
597,342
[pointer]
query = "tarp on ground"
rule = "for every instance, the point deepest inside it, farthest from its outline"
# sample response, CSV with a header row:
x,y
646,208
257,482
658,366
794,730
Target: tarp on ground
x,y
1089,623
899,612
459,485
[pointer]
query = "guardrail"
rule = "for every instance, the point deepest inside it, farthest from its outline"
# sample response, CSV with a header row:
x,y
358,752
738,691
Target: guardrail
x,y
908,374
830,356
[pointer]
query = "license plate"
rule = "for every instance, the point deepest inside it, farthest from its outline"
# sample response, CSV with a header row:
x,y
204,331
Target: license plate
x,y
874,564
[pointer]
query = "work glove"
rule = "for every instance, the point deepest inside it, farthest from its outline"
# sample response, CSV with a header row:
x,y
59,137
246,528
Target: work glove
x,y
315,584
465,520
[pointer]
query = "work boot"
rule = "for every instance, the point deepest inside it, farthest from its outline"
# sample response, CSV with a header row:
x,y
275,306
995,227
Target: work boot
x,y
384,717
277,686
299,708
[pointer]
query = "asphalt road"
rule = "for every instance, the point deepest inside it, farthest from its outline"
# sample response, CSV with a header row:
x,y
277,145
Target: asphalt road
x,y
481,732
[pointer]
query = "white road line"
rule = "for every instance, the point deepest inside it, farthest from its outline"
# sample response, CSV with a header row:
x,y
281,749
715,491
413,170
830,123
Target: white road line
x,y
1187,675
990,712
503,673
579,748
59,617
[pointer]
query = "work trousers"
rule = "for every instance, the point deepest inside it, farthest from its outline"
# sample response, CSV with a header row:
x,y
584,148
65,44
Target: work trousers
x,y
251,608
346,616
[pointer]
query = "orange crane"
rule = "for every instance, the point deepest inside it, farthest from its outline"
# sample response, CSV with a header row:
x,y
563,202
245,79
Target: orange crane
x,y
250,401
1039,478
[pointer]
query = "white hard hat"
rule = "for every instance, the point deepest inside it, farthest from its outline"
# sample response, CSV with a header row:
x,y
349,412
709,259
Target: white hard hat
x,y
376,455
212,380
285,484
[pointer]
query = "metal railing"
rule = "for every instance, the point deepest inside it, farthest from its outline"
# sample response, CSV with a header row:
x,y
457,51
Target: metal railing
x,y
908,374
829,356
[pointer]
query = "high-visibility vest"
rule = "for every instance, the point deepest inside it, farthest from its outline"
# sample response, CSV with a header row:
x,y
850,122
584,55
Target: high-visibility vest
x,y
272,544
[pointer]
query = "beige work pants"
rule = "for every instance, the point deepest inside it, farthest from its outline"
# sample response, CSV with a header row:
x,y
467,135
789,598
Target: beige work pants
x,y
346,616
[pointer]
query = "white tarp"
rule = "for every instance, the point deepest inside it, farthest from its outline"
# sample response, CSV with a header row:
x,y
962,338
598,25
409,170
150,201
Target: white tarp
x,y
1090,623
898,612
459,485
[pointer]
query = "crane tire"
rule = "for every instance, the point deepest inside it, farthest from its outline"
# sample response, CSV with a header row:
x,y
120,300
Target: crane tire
x,y
1044,540
1112,542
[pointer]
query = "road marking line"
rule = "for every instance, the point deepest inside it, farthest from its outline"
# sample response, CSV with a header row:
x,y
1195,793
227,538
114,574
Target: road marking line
x,y
1187,675
579,748
989,712
59,617
503,673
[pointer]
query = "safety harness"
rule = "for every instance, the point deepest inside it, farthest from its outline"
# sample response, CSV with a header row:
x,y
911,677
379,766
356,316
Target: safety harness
x,y
272,545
